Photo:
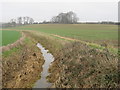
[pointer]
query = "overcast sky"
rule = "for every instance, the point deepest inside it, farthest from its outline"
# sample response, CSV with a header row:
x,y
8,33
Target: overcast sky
x,y
40,11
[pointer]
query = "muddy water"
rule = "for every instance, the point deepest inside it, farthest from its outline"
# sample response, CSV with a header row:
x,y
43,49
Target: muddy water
x,y
48,57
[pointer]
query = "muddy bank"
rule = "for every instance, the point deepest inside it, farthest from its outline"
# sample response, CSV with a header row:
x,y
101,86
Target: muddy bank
x,y
22,67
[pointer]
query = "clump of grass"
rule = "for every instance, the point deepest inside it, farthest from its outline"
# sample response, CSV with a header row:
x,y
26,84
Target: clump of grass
x,y
13,50
95,46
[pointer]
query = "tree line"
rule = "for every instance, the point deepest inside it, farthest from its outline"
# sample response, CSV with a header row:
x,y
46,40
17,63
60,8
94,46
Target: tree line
x,y
62,18
18,22
65,18
22,20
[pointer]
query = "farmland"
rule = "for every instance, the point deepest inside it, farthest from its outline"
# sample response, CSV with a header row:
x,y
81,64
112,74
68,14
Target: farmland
x,y
89,32
76,63
9,37
59,45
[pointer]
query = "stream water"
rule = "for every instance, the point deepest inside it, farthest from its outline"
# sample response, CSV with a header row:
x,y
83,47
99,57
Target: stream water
x,y
48,57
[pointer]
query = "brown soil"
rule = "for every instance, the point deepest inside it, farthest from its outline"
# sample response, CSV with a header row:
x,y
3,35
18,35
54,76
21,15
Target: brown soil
x,y
22,68
71,39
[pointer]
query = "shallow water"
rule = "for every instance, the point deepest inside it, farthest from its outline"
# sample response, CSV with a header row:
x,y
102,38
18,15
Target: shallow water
x,y
48,57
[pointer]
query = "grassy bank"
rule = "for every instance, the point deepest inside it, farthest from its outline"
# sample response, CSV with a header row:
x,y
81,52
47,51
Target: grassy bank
x,y
50,43
84,68
77,65
21,65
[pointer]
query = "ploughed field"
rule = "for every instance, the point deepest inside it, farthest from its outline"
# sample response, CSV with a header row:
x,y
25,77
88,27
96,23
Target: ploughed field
x,y
98,33
9,37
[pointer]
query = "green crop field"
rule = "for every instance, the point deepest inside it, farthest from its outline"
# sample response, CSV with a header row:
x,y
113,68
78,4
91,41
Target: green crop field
x,y
79,31
9,37
88,32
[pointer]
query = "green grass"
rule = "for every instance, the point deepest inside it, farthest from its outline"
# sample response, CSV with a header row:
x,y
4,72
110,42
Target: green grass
x,y
93,33
78,31
9,37
15,49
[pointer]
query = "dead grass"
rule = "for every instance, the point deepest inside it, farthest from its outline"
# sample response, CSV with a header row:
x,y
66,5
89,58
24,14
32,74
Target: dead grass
x,y
83,67
22,68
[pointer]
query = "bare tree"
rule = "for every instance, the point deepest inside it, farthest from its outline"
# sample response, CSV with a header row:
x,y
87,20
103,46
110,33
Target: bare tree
x,y
13,22
54,19
19,20
27,20
31,21
73,17
24,18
